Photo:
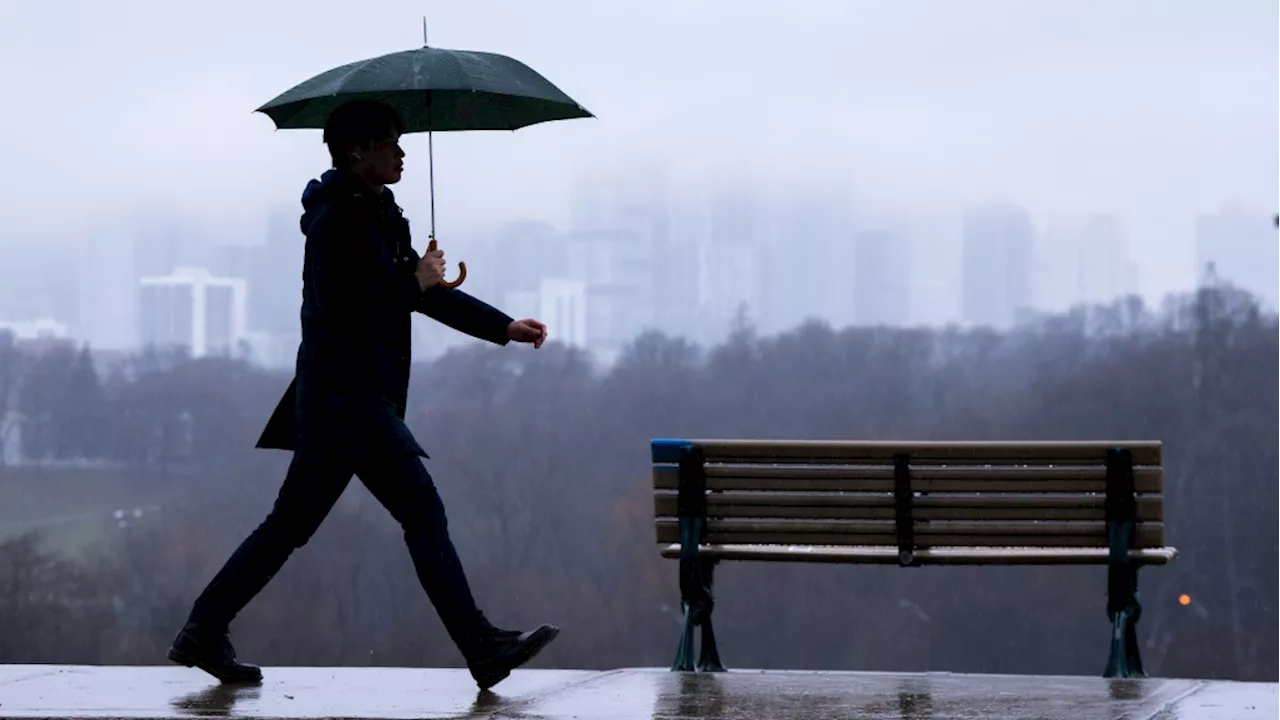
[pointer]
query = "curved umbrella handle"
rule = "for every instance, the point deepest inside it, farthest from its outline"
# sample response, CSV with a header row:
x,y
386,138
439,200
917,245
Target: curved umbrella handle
x,y
462,269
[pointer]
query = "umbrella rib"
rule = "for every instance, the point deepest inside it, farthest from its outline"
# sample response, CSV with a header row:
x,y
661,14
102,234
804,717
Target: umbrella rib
x,y
303,105
355,67
471,84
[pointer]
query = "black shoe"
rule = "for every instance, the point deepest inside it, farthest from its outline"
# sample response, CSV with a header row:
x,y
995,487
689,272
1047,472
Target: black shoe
x,y
506,651
212,652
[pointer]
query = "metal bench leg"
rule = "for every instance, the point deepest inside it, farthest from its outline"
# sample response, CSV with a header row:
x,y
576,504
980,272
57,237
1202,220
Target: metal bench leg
x,y
684,651
1124,610
709,661
697,576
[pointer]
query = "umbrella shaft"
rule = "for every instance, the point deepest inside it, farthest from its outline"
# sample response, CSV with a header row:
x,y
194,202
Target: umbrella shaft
x,y
431,180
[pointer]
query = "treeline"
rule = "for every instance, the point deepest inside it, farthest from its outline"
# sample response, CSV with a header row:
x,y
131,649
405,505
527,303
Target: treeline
x,y
543,464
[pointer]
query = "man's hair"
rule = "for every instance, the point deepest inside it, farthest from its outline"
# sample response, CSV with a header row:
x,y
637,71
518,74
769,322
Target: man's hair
x,y
360,123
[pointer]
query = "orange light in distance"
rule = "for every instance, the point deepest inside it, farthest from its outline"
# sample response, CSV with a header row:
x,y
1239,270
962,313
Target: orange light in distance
x,y
1184,599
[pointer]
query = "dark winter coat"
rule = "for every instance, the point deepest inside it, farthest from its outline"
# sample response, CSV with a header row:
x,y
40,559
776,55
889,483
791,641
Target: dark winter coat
x,y
358,295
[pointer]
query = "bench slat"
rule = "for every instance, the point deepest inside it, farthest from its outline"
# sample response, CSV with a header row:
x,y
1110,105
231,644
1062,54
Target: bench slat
x,y
866,506
926,556
836,532
1144,452
923,479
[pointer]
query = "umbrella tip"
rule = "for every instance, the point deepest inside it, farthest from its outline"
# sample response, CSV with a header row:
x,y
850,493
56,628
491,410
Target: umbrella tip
x,y
424,31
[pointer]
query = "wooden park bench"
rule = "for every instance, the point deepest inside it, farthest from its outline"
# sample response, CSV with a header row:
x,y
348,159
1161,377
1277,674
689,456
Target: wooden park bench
x,y
910,504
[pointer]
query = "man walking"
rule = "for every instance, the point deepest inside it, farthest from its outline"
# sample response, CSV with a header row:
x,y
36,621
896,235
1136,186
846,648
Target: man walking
x,y
343,416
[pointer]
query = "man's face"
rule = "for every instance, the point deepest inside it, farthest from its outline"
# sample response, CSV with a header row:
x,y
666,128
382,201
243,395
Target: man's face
x,y
382,163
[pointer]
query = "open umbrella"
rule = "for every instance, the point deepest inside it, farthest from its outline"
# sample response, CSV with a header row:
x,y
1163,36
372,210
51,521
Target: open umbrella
x,y
433,90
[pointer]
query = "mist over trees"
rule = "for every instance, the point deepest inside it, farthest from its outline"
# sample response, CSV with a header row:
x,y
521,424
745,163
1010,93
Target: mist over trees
x,y
139,482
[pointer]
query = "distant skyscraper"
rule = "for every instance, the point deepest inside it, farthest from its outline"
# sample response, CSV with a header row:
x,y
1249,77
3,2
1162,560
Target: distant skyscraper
x,y
1106,270
163,240
881,278
809,276
166,314
31,283
1242,246
616,271
625,246
564,310
192,308
231,260
274,275
675,309
523,253
273,271
1084,260
733,266
996,265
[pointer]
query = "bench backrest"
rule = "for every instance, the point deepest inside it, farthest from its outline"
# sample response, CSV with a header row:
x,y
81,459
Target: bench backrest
x,y
909,495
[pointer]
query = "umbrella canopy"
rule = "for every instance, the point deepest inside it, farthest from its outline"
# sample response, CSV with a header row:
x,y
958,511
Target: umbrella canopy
x,y
433,90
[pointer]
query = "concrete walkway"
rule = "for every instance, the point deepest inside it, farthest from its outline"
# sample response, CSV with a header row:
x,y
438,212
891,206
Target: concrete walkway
x,y
45,691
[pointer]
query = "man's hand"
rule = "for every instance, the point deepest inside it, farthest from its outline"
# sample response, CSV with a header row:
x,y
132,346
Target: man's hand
x,y
527,331
430,270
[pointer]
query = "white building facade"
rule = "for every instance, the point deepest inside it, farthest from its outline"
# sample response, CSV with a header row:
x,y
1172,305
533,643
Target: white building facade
x,y
195,309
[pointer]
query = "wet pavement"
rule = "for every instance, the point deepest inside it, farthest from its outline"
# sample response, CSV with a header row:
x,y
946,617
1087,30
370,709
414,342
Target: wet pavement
x,y
162,692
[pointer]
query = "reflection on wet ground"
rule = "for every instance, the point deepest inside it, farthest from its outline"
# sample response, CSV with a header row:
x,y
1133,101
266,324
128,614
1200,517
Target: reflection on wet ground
x,y
215,700
115,692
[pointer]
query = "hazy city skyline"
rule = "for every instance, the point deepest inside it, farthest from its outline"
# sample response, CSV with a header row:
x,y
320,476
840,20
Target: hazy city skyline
x,y
876,116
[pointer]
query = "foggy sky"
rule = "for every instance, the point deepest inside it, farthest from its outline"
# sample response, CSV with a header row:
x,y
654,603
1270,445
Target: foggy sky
x,y
1156,111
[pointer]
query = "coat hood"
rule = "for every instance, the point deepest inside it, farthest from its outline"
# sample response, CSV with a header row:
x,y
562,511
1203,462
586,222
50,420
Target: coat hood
x,y
334,185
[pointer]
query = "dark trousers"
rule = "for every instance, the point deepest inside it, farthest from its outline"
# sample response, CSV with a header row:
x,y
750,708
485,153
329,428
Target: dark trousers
x,y
313,484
